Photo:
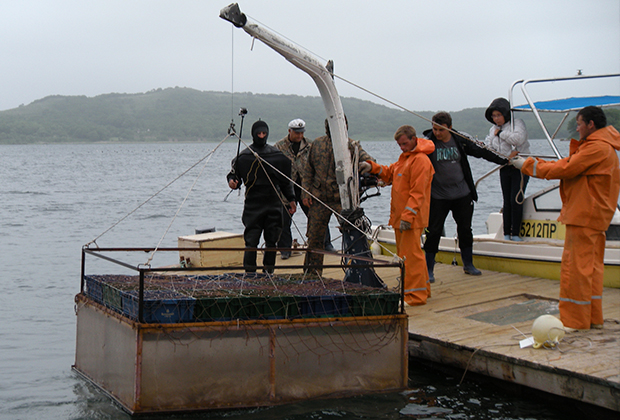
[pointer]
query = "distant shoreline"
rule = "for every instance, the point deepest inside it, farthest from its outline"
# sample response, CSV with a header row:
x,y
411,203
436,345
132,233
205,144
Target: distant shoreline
x,y
191,116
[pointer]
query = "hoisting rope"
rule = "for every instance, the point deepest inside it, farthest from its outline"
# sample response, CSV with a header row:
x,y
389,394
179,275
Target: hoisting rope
x,y
464,135
232,77
94,241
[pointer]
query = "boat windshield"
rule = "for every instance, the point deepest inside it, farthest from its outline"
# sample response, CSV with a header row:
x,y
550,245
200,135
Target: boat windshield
x,y
549,200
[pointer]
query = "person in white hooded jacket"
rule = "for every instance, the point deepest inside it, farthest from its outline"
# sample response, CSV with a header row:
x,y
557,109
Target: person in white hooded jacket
x,y
509,139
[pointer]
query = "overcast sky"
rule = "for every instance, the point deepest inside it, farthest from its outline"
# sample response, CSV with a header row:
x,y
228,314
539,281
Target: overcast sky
x,y
423,55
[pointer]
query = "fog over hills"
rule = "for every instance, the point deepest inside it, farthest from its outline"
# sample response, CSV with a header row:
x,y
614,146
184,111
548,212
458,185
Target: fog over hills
x,y
184,114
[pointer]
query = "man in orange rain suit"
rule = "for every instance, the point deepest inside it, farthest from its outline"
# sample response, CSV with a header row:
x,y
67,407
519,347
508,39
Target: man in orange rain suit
x,y
411,179
589,186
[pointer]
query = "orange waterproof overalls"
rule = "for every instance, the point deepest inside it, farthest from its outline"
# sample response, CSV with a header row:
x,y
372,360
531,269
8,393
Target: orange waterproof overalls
x,y
589,186
411,178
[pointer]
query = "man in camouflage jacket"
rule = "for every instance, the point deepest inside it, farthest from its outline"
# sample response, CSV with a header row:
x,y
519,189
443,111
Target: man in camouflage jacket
x,y
294,146
319,179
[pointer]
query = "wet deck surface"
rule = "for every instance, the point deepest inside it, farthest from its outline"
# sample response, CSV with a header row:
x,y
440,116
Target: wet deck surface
x,y
476,323
487,310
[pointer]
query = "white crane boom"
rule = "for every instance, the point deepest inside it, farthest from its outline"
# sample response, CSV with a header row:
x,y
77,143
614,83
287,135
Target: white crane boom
x,y
323,78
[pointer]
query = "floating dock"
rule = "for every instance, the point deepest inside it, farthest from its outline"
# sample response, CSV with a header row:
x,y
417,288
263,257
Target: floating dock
x,y
476,323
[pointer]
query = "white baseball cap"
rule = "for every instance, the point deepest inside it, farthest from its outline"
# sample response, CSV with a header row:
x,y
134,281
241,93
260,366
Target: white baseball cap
x,y
298,125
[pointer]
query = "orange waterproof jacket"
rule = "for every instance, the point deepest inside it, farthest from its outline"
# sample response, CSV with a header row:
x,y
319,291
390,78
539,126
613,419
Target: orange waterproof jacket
x,y
411,180
590,179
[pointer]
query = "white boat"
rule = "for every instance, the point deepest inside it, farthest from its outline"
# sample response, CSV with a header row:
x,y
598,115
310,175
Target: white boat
x,y
540,252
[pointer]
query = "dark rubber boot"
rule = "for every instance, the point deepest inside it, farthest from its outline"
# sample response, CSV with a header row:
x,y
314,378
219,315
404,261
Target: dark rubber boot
x,y
430,266
468,265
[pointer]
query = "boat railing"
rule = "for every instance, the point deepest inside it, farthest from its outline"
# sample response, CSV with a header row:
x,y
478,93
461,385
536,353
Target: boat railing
x,y
492,171
532,107
498,167
566,109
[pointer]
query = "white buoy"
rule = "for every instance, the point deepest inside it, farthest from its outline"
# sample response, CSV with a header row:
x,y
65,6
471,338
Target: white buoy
x,y
547,331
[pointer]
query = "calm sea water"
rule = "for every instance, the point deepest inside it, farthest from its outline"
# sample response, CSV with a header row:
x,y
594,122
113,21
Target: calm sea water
x,y
56,198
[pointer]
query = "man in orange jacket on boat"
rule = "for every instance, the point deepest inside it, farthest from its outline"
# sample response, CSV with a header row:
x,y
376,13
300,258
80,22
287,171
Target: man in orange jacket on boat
x,y
411,178
589,187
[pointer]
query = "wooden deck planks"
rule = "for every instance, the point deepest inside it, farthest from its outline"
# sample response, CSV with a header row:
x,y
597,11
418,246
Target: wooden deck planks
x,y
588,361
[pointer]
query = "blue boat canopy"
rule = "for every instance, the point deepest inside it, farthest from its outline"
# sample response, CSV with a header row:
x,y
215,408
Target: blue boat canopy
x,y
571,104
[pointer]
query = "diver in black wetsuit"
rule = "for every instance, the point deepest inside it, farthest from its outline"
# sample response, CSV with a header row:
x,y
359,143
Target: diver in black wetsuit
x,y
265,189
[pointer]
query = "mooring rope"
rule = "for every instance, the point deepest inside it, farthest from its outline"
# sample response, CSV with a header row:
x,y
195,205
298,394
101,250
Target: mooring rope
x,y
94,241
464,135
207,159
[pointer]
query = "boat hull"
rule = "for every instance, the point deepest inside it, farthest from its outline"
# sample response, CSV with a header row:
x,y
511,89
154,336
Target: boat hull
x,y
527,258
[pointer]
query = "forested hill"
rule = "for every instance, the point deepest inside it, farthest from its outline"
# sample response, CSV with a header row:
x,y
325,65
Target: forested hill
x,y
183,114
